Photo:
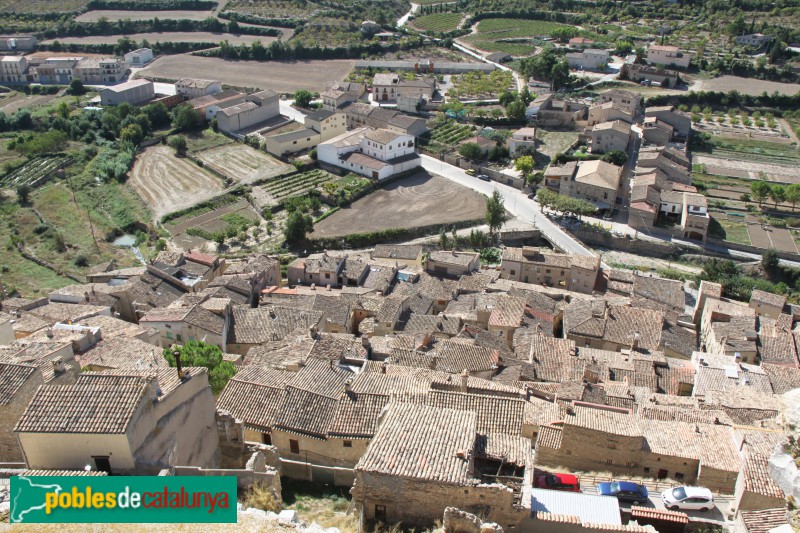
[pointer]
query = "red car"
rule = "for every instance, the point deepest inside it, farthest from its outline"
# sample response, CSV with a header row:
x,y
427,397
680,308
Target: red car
x,y
566,482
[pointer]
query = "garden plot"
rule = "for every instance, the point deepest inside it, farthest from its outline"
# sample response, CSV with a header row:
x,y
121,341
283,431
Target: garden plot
x,y
764,236
242,163
168,183
35,172
447,135
439,22
276,190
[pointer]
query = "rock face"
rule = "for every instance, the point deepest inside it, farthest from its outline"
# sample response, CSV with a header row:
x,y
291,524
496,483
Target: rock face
x,y
458,521
782,466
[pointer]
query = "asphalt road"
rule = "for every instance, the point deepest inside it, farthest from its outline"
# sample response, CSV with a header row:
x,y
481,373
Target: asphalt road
x,y
516,202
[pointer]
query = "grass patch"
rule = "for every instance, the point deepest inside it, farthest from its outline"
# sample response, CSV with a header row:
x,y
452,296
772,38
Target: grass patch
x,y
516,28
440,22
206,139
325,505
729,230
752,150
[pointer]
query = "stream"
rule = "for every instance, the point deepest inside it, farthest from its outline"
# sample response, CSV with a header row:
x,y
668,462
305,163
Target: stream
x,y
129,241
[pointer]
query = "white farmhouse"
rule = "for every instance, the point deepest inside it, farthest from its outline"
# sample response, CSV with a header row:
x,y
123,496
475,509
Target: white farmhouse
x,y
375,153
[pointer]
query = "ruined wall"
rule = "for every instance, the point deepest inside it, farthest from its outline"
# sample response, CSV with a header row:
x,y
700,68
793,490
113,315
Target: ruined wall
x,y
10,451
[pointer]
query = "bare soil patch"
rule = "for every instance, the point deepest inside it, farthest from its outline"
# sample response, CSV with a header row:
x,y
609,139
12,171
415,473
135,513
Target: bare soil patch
x,y
420,200
770,237
280,76
242,163
749,86
168,183
18,101
114,15
176,37
748,169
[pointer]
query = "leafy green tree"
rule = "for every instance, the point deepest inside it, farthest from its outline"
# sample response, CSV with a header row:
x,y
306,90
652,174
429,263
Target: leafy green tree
x,y
498,152
131,133
770,260
63,109
454,237
778,194
559,74
302,98
298,225
760,190
76,87
158,114
516,110
23,193
178,143
184,118
615,157
793,194
623,47
442,239
198,353
495,212
471,151
524,164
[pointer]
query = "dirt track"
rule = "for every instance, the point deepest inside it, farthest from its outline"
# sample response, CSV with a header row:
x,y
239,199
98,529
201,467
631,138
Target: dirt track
x,y
280,76
419,200
167,183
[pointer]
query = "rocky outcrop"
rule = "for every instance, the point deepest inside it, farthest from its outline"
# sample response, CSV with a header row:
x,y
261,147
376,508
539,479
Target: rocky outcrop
x,y
458,521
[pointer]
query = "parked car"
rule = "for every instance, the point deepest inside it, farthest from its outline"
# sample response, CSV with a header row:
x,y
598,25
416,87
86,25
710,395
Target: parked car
x,y
566,482
532,195
624,491
470,171
483,177
688,498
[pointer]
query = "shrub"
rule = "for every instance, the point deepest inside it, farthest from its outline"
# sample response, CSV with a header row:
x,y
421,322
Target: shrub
x,y
40,229
81,261
261,497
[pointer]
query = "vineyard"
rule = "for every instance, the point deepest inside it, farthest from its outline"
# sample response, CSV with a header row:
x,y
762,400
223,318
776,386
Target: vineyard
x,y
35,172
439,22
42,6
276,190
273,8
448,135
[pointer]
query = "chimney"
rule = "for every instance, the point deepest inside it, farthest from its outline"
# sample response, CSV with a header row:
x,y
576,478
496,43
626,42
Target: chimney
x,y
58,366
312,332
154,388
49,333
635,343
383,368
86,296
464,379
177,354
432,362
347,388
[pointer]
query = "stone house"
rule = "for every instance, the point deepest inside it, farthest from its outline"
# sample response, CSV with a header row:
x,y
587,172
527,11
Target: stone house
x,y
767,304
597,182
602,438
13,69
18,384
756,40
403,254
655,75
318,269
608,136
375,153
406,475
597,324
666,55
252,327
755,488
122,423
522,137
194,88
609,112
540,267
729,328
387,87
208,106
361,114
100,70
452,263
681,122
588,59
656,131
206,321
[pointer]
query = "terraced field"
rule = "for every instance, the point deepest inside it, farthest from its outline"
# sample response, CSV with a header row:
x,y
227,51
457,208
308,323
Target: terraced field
x,y
35,172
277,190
242,163
273,8
167,183
438,22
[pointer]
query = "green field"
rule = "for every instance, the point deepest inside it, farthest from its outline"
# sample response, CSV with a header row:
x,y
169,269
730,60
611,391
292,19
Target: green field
x,y
438,22
758,151
517,28
481,85
728,230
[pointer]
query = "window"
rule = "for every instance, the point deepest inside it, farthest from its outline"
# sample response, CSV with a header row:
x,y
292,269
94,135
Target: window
x,y
647,470
169,335
513,272
327,275
547,271
179,337
347,444
294,446
679,476
609,461
167,326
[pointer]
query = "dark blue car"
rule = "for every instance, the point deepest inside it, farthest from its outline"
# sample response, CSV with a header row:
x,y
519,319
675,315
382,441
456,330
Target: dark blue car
x,y
624,491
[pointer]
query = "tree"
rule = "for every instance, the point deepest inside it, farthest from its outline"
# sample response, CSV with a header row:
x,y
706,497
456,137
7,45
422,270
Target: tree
x,y
793,194
770,260
454,236
623,47
559,74
524,164
198,353
516,110
131,133
178,143
442,239
471,151
298,225
185,118
615,157
498,152
778,194
302,98
23,193
76,87
495,211
63,109
760,190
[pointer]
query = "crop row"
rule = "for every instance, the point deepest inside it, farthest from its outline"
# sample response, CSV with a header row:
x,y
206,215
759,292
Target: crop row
x,y
34,172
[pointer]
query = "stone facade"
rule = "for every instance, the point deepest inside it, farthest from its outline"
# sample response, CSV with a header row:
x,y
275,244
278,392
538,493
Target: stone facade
x,y
10,412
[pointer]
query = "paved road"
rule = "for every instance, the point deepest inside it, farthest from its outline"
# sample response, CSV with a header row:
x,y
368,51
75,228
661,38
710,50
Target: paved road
x,y
516,203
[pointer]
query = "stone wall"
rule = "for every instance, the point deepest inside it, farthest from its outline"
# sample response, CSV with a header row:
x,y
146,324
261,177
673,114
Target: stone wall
x,y
231,440
624,244
10,413
458,521
421,503
256,471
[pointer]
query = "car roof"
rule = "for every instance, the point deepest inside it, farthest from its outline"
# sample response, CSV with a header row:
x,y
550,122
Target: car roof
x,y
567,478
627,485
698,492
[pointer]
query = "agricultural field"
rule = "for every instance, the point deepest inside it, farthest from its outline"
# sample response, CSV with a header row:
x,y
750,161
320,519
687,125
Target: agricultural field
x,y
552,143
273,8
749,86
205,140
35,172
474,85
754,151
419,200
276,190
447,135
178,37
728,228
42,6
168,183
439,22
112,16
242,163
517,37
280,76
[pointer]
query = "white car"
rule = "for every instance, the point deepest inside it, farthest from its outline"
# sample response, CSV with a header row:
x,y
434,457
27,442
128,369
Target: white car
x,y
688,498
